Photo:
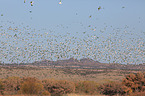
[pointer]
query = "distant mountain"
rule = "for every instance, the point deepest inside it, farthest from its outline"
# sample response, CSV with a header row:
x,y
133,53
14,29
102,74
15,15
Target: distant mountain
x,y
74,63
88,60
71,60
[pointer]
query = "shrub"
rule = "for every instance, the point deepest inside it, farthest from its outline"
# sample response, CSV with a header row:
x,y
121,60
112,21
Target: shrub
x,y
137,94
45,92
87,87
113,88
12,84
1,88
126,90
31,86
59,87
135,81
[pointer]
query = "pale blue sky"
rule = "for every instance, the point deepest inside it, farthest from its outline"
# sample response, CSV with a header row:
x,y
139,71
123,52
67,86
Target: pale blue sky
x,y
72,17
49,12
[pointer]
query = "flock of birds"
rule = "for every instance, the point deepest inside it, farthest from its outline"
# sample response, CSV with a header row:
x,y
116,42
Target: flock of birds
x,y
22,44
32,2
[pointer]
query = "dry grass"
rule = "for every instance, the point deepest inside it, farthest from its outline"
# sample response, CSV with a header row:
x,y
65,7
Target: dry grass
x,y
19,95
99,76
81,95
72,94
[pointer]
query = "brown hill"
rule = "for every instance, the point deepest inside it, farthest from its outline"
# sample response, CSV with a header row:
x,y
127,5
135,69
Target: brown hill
x,y
84,63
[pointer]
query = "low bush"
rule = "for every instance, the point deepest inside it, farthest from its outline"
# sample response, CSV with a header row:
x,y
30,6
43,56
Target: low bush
x,y
59,87
1,88
137,94
135,81
114,88
45,92
86,87
31,86
12,84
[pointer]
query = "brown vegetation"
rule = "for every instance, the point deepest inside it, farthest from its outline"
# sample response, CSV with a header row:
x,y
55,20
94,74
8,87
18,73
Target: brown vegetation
x,y
87,87
97,75
114,88
135,81
95,82
12,84
137,94
59,87
1,88
31,86
132,84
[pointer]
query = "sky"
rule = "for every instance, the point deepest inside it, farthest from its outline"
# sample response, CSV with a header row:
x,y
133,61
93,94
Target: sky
x,y
76,28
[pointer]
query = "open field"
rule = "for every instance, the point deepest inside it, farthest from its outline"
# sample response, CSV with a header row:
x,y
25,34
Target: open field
x,y
98,75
